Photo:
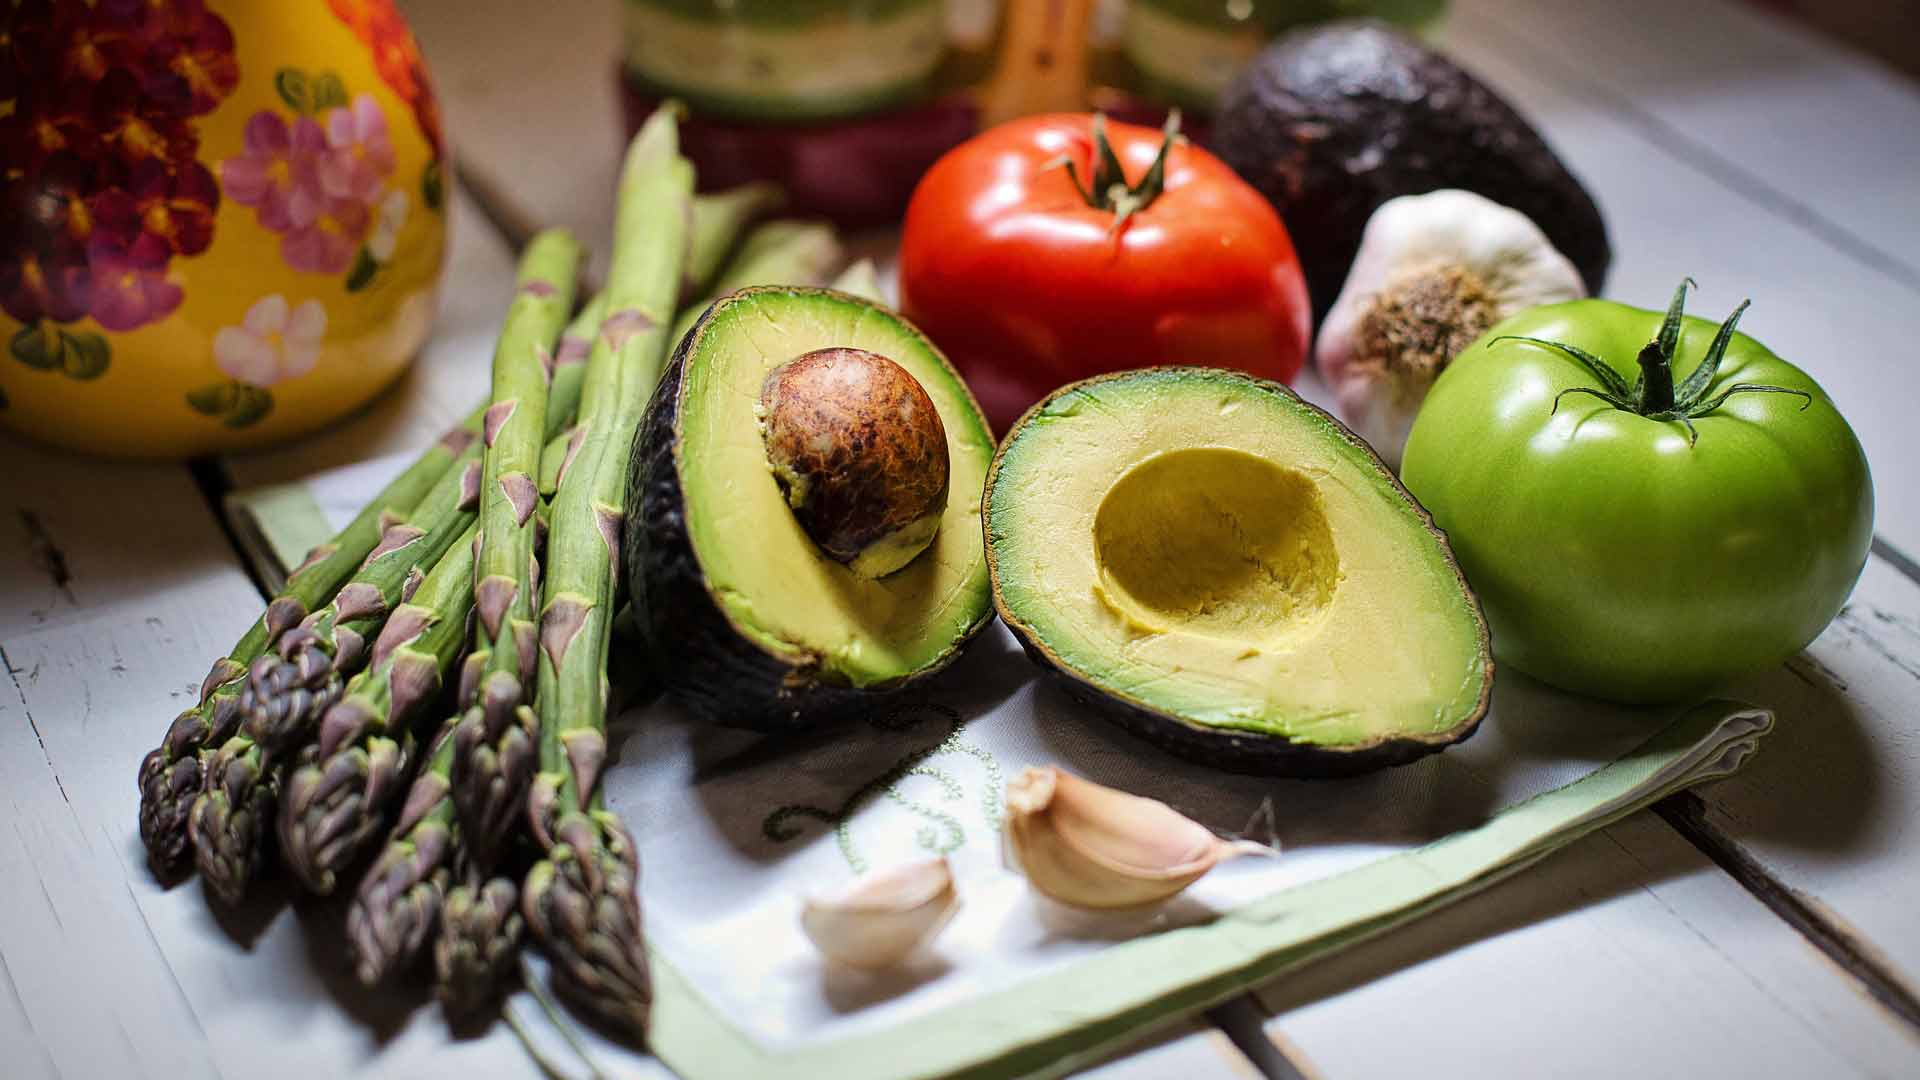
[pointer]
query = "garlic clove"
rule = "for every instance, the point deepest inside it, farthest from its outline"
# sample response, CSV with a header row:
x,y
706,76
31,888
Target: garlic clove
x,y
1097,847
881,918
1434,272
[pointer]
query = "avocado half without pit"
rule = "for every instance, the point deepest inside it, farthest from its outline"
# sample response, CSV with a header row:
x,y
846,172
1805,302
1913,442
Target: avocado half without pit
x,y
1231,574
808,487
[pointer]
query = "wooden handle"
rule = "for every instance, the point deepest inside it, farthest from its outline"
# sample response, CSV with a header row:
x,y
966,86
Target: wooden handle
x,y
1043,60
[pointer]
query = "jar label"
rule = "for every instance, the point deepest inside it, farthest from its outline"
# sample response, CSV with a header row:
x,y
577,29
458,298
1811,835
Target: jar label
x,y
829,62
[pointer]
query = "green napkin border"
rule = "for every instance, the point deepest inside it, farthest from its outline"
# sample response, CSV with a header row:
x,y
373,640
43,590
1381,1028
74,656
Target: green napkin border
x,y
1066,1019
276,526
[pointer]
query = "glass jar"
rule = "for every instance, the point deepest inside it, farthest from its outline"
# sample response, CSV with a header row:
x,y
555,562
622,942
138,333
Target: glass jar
x,y
842,102
1182,53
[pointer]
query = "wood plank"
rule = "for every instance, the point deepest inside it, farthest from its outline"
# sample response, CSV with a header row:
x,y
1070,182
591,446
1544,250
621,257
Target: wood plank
x,y
537,121
1628,954
68,548
1831,808
1670,214
98,999
1784,112
1194,1051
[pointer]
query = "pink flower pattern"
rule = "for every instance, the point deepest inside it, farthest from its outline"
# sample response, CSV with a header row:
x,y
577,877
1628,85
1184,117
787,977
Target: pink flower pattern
x,y
278,173
315,186
359,153
274,342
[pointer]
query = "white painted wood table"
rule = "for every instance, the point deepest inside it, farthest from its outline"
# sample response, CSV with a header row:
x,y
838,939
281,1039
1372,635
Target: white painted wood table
x,y
1768,926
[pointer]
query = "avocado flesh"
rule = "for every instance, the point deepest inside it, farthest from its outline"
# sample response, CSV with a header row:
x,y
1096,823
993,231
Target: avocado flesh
x,y
1216,556
820,621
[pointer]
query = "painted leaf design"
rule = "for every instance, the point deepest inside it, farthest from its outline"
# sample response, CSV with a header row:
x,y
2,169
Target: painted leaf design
x,y
328,91
214,399
432,187
85,356
36,347
360,274
252,405
291,84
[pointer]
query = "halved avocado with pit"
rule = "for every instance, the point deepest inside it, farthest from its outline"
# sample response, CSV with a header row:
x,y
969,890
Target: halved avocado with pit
x,y
1233,575
808,486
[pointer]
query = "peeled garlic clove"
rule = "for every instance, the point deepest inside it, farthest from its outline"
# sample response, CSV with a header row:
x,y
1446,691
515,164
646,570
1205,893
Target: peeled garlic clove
x,y
1434,272
879,919
1096,847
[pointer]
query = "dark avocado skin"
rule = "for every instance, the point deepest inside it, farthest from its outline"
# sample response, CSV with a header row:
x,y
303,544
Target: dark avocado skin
x,y
718,674
1237,752
1330,122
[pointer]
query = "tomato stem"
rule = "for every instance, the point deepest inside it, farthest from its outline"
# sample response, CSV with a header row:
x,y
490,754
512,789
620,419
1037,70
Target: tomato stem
x,y
1107,188
1656,380
1653,395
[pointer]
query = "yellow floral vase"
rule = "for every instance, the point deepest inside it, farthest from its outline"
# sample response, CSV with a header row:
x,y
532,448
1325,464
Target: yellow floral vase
x,y
222,221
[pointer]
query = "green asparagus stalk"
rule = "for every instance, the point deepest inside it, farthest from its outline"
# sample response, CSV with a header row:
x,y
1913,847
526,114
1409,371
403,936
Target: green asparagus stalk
x,y
400,900
283,700
480,936
718,219
333,803
580,899
287,690
226,823
397,905
494,752
776,253
861,280
171,775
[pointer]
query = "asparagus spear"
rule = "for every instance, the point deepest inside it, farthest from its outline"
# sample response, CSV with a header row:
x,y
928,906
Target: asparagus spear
x,y
171,775
515,425
493,743
227,820
286,693
480,934
717,221
778,252
400,900
580,900
284,697
862,280
331,802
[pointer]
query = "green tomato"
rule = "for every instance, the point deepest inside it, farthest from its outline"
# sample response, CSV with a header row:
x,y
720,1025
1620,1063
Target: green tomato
x,y
1634,535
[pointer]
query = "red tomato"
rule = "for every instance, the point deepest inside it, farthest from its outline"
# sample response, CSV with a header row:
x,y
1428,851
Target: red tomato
x,y
1027,287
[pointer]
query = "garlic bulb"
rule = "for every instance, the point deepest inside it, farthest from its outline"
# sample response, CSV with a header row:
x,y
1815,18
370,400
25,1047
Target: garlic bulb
x,y
880,919
1434,272
1096,847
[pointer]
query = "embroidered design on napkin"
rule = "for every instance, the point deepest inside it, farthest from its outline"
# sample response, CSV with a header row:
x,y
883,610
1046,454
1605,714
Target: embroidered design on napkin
x,y
942,832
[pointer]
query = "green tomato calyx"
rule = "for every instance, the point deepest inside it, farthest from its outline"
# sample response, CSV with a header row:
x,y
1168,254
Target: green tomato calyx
x,y
1653,393
1108,188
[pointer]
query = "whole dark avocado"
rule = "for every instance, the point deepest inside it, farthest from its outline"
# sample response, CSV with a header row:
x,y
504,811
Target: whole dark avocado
x,y
1330,122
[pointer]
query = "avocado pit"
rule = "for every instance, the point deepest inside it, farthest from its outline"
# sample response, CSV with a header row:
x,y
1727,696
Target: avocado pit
x,y
860,454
